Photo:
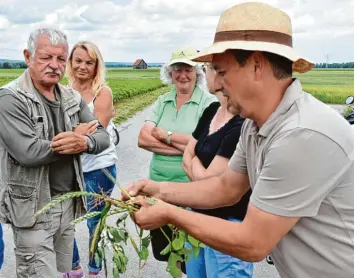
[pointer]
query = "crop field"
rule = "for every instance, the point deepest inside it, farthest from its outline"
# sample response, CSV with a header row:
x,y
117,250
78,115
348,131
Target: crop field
x,y
135,89
132,89
329,85
125,83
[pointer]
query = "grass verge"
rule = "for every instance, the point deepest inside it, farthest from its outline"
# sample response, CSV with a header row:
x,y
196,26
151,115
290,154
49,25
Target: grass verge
x,y
127,108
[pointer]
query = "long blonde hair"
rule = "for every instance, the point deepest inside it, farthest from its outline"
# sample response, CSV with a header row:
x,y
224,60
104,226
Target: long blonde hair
x,y
100,70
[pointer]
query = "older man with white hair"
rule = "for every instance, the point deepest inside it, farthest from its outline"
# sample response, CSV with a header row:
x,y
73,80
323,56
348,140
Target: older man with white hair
x,y
40,143
294,152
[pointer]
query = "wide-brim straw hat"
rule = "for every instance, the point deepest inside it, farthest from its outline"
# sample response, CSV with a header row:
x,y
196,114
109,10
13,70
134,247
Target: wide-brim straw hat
x,y
256,27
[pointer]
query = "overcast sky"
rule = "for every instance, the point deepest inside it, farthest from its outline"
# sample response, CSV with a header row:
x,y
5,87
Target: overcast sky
x,y
151,29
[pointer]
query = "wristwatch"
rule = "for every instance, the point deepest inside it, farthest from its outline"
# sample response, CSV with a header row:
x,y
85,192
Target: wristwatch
x,y
90,144
168,140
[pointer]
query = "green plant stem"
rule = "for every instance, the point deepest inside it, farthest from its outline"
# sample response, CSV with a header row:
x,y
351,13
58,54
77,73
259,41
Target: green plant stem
x,y
108,174
140,248
162,230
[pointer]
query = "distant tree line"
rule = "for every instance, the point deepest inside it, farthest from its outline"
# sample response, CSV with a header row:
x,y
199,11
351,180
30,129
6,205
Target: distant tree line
x,y
22,65
348,65
13,65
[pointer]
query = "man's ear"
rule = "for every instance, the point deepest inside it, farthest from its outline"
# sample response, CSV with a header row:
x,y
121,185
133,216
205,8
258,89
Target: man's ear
x,y
258,60
27,56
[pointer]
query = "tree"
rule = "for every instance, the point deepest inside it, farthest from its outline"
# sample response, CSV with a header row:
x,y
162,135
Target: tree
x,y
6,65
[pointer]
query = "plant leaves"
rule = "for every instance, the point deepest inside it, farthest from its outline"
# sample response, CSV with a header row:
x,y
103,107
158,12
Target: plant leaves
x,y
146,241
166,250
123,234
121,218
98,256
134,244
179,241
172,261
115,272
174,271
116,234
117,261
195,251
194,242
143,254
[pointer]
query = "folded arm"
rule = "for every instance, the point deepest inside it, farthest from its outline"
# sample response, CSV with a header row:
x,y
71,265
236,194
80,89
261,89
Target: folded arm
x,y
100,137
218,165
148,142
180,140
189,154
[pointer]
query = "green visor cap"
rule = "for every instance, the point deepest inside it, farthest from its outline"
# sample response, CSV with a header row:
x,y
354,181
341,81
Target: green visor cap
x,y
183,55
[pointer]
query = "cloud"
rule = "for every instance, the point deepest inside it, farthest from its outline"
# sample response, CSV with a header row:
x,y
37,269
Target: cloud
x,y
152,29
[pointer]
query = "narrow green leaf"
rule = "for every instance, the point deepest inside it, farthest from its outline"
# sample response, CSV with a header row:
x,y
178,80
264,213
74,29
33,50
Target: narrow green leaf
x,y
172,261
121,218
123,234
143,254
195,251
174,271
178,242
115,272
98,256
117,261
116,235
166,250
194,242
146,241
134,244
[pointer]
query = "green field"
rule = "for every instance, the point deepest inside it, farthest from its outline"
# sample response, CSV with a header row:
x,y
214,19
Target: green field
x,y
132,89
328,85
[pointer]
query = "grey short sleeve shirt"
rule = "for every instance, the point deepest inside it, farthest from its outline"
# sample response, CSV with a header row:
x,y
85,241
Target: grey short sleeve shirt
x,y
300,164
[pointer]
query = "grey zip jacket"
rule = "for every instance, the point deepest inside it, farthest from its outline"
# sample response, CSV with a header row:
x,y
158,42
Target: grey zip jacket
x,y
25,152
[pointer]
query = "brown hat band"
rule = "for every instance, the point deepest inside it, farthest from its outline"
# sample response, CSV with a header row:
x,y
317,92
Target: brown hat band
x,y
254,35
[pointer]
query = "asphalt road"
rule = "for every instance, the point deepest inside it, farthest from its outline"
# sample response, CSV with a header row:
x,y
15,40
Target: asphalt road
x,y
132,165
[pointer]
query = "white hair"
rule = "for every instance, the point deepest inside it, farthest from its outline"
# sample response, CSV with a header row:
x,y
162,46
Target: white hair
x,y
166,78
54,35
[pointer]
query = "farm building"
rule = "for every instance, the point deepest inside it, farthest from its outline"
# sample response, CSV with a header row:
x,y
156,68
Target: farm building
x,y
140,64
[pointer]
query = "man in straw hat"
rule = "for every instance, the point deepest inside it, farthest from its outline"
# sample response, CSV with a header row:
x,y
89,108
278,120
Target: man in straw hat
x,y
295,153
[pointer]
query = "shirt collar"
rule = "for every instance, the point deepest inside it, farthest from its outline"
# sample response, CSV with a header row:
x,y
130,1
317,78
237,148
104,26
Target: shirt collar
x,y
291,95
196,95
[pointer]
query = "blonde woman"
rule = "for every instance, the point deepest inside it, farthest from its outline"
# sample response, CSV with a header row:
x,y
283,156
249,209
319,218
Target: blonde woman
x,y
86,74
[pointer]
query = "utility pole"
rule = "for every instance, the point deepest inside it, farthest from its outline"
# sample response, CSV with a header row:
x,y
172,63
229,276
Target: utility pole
x,y
326,60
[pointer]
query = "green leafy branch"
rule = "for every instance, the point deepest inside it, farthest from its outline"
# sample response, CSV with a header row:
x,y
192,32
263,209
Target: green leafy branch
x,y
114,238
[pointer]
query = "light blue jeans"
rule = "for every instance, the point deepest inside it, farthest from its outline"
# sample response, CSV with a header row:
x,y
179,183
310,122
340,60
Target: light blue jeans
x,y
96,182
211,263
2,247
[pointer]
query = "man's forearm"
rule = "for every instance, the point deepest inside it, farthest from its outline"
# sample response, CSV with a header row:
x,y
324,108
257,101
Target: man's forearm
x,y
226,236
18,136
32,155
100,139
204,194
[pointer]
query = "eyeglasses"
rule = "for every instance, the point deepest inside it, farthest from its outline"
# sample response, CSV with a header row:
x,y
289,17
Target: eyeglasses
x,y
206,66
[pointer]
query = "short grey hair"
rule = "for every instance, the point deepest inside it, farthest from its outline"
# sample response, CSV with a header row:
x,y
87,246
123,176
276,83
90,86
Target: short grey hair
x,y
166,78
54,35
